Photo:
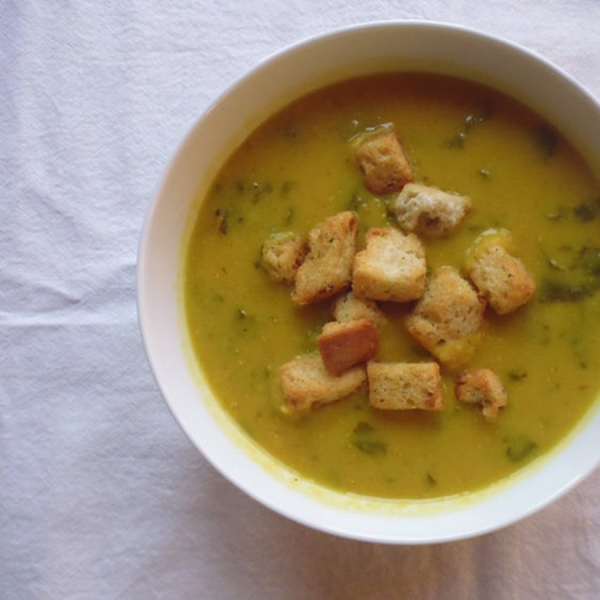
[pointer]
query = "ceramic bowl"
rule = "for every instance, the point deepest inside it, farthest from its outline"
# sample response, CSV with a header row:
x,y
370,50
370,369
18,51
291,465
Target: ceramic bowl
x,y
413,46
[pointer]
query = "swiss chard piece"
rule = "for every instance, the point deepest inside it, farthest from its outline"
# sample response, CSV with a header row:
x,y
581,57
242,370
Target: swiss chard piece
x,y
546,140
519,447
587,211
574,276
365,438
457,140
517,374
222,220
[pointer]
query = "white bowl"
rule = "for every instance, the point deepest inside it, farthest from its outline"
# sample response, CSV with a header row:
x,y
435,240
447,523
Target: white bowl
x,y
415,46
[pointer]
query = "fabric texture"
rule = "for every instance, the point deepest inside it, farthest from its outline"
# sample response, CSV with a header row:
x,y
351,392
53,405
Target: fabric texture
x,y
101,494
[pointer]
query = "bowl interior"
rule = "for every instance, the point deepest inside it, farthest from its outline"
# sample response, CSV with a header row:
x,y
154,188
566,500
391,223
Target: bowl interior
x,y
367,49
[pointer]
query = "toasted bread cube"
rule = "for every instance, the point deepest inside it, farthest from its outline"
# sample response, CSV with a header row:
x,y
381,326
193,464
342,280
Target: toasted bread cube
x,y
348,307
403,386
327,269
484,388
429,211
282,255
391,267
344,345
306,383
382,160
501,279
448,318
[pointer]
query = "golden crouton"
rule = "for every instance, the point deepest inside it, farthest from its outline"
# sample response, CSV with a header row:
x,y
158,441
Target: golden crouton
x,y
390,268
282,254
344,345
327,268
348,307
501,279
402,386
383,161
448,318
306,383
428,211
482,387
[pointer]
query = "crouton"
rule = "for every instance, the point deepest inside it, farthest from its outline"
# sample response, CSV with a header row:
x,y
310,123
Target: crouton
x,y
344,345
391,267
448,318
402,386
306,383
348,307
327,269
282,255
428,211
382,160
501,278
484,388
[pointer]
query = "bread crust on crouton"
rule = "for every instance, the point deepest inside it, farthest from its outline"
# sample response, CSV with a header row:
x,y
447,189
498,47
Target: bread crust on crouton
x,y
306,383
348,307
327,269
344,345
405,386
448,318
391,267
282,255
501,278
429,211
383,161
484,388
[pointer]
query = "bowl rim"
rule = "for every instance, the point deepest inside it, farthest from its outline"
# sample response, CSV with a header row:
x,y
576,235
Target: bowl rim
x,y
297,504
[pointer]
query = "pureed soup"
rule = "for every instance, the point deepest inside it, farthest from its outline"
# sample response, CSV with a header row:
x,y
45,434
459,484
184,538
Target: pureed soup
x,y
299,168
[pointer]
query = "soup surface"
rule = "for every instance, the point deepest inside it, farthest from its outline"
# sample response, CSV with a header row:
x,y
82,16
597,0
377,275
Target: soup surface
x,y
299,168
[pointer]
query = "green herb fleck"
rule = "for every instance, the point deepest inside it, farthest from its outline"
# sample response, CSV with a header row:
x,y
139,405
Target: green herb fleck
x,y
546,141
356,201
222,220
364,437
518,448
371,447
576,275
456,141
517,374
286,188
587,211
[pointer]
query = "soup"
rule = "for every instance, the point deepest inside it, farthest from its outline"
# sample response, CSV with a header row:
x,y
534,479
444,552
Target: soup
x,y
297,169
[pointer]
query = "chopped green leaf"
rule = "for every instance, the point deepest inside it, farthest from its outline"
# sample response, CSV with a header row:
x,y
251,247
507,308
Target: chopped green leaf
x,y
356,201
555,291
587,211
546,141
365,439
286,188
456,141
222,220
517,374
576,275
363,428
519,447
372,447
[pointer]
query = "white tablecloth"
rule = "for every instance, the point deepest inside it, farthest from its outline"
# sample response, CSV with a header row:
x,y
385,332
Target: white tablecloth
x,y
101,494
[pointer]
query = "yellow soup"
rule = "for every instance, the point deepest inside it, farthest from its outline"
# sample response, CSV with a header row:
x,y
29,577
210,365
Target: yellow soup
x,y
299,168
